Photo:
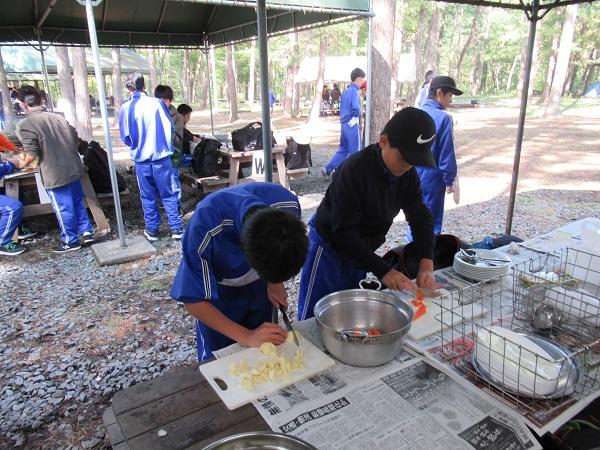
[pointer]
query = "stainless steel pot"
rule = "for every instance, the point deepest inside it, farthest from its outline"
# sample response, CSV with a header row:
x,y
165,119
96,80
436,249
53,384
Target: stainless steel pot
x,y
262,440
343,318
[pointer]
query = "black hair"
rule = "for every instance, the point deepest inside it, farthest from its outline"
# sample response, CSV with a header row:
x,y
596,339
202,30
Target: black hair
x,y
429,75
163,92
357,73
433,91
134,81
184,109
29,95
275,243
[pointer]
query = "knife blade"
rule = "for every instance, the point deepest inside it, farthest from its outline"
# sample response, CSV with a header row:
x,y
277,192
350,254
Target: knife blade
x,y
288,325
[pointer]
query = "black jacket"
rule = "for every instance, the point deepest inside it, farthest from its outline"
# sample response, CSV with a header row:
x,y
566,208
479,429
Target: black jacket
x,y
360,205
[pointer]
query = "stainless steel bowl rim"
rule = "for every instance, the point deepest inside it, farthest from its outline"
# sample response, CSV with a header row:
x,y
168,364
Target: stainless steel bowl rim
x,y
364,295
268,438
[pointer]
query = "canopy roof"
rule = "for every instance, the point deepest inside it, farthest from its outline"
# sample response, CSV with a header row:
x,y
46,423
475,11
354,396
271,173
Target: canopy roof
x,y
165,23
27,60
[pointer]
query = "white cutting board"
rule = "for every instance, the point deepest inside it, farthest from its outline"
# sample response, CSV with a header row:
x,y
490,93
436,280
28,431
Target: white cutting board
x,y
235,395
430,323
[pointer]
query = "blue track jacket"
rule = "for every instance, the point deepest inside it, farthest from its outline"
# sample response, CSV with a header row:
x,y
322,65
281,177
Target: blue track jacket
x,y
146,128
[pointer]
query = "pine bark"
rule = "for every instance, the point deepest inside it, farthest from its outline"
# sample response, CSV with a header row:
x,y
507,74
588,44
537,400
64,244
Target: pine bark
x,y
83,112
117,83
291,70
472,33
153,71
65,80
187,94
213,76
432,54
562,61
381,71
589,73
231,83
252,74
534,64
550,72
511,73
316,104
418,41
7,105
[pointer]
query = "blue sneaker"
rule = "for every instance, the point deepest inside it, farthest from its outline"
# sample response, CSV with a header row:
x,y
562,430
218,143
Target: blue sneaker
x,y
152,236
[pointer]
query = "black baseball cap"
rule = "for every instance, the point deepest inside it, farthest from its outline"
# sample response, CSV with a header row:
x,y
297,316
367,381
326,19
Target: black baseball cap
x,y
444,81
412,131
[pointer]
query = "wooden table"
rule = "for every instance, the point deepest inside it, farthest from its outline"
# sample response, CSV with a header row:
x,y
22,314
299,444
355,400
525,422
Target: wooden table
x,y
181,403
235,159
15,183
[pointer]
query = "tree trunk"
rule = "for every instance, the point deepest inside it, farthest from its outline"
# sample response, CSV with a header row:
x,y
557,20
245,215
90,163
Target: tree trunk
x,y
292,64
316,105
476,78
186,76
83,112
509,80
354,40
7,106
534,63
65,80
397,50
252,74
153,72
588,76
432,55
117,84
381,70
419,38
550,73
562,61
570,73
296,103
231,83
213,76
472,33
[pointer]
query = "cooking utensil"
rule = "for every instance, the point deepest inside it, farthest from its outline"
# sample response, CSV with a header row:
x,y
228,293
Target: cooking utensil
x,y
341,314
471,257
288,325
233,394
260,440
547,317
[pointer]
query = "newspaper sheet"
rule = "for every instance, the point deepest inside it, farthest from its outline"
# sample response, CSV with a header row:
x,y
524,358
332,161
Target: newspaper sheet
x,y
407,403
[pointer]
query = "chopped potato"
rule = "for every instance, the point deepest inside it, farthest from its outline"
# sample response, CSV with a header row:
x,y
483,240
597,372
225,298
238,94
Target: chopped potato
x,y
275,368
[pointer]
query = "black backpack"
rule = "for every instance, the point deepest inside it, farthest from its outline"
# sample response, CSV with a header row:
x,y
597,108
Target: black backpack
x,y
96,161
206,157
405,258
249,138
297,156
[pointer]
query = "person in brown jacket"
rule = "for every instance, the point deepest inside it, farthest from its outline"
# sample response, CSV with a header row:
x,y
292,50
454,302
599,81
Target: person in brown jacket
x,y
49,138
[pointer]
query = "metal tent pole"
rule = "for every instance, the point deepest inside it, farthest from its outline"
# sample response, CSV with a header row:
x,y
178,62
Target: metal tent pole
x,y
522,113
89,8
261,17
45,72
210,104
369,83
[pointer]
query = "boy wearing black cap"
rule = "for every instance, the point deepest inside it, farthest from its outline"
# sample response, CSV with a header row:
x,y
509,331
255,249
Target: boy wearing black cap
x,y
438,180
366,194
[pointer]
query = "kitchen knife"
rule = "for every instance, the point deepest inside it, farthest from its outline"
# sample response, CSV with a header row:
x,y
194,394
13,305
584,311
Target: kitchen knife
x,y
288,325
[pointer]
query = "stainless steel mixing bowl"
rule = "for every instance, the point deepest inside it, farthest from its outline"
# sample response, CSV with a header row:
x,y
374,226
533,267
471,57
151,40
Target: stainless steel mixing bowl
x,y
344,317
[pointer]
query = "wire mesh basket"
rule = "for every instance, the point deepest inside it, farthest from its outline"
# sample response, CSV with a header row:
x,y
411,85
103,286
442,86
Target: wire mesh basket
x,y
531,339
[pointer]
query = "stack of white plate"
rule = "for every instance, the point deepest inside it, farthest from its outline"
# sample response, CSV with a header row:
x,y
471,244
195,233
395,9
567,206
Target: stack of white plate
x,y
480,269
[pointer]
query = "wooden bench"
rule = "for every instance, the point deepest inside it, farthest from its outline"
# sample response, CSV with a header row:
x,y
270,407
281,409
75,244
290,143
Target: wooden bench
x,y
206,184
106,198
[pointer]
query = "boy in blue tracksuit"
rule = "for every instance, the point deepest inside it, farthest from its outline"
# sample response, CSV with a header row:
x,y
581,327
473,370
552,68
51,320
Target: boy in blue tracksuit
x,y
350,111
145,126
241,244
11,211
438,181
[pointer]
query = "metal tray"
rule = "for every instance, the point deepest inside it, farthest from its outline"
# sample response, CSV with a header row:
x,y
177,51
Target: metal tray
x,y
565,386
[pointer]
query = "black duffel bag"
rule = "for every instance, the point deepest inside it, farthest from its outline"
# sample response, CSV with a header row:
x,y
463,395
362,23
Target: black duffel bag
x,y
249,138
206,157
406,258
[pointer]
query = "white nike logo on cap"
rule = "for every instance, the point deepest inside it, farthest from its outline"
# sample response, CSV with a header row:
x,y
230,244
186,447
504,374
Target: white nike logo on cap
x,y
420,139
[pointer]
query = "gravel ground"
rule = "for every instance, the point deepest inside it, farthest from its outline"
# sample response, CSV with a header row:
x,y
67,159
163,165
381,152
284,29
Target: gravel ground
x,y
72,334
